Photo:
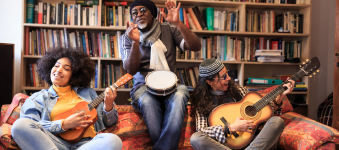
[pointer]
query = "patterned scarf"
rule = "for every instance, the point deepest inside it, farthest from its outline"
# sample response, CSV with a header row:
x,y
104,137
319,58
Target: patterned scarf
x,y
148,38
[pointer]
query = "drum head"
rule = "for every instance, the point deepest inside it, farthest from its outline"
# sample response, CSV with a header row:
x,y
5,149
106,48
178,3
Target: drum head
x,y
161,80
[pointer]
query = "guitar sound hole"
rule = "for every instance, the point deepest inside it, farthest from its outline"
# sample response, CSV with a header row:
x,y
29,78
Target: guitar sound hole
x,y
250,111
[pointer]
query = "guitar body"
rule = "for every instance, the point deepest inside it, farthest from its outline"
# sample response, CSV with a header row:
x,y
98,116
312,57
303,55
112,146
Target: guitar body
x,y
75,135
242,109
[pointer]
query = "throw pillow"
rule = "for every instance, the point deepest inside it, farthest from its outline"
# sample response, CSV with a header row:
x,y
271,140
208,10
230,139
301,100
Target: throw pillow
x,y
304,133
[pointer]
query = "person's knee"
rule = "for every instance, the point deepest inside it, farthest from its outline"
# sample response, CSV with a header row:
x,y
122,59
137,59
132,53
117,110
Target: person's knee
x,y
197,140
182,92
20,126
279,122
114,141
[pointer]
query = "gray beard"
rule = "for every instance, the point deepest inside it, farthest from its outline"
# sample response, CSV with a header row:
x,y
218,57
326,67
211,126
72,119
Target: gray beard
x,y
142,26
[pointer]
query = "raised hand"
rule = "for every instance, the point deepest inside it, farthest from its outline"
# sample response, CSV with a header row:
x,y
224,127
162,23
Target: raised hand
x,y
242,125
76,120
132,31
173,12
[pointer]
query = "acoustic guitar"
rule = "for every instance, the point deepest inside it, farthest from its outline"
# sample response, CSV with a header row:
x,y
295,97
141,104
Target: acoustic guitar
x,y
254,107
74,135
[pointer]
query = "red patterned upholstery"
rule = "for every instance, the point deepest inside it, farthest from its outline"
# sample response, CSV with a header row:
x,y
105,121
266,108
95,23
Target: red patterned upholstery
x,y
300,132
132,130
304,133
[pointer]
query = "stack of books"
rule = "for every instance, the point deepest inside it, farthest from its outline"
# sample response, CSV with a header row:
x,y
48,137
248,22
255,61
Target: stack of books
x,y
269,55
299,86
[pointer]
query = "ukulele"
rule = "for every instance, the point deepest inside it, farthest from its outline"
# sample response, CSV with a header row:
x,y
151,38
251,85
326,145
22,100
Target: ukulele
x,y
253,107
75,135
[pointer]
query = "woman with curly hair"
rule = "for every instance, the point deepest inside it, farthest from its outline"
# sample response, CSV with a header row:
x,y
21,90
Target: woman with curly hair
x,y
69,73
215,88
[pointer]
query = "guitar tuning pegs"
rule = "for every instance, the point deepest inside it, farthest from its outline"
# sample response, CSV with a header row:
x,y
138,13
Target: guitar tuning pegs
x,y
300,66
306,59
314,73
303,63
310,76
317,70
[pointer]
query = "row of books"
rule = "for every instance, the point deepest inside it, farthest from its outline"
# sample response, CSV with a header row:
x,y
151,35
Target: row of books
x,y
210,20
111,73
272,1
78,14
95,44
32,77
268,22
226,48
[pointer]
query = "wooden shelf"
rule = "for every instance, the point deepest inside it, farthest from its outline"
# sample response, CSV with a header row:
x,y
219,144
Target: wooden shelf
x,y
113,28
92,58
208,32
228,4
276,6
191,61
305,92
244,69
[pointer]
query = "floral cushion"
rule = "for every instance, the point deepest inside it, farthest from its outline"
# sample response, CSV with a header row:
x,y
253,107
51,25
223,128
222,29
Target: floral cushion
x,y
132,130
304,133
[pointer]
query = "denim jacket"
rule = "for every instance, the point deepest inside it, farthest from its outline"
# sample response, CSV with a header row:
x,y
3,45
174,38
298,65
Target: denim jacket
x,y
38,107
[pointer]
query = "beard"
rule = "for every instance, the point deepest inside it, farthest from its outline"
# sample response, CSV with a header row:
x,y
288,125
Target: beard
x,y
142,26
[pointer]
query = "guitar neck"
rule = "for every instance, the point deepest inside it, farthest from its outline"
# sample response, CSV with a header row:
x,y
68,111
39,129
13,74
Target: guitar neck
x,y
123,80
275,92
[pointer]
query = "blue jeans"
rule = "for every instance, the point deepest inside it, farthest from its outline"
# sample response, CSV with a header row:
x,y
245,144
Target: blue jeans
x,y
163,115
30,135
266,139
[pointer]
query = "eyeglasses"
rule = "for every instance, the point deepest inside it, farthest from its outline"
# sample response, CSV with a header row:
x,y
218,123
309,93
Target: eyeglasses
x,y
141,10
223,77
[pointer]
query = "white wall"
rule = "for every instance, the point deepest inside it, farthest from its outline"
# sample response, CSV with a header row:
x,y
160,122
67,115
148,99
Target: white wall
x,y
322,46
10,32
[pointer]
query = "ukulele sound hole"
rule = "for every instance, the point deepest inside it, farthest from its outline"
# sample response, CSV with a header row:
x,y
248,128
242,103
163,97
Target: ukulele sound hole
x,y
250,111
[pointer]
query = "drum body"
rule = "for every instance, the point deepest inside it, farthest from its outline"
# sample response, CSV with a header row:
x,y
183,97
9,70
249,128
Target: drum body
x,y
161,83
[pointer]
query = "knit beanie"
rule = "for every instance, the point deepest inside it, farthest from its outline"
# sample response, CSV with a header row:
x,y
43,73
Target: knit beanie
x,y
210,67
147,3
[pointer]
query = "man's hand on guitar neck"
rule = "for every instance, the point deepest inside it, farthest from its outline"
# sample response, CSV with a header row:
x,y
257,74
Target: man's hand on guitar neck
x,y
241,125
76,120
289,87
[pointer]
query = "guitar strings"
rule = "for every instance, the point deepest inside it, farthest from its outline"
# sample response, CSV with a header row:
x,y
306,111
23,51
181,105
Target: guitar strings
x,y
266,99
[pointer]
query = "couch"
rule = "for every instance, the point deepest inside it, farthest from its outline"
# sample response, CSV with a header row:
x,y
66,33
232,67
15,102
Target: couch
x,y
300,132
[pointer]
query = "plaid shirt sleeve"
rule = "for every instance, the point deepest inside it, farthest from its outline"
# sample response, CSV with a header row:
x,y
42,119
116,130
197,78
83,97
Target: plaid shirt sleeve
x,y
215,132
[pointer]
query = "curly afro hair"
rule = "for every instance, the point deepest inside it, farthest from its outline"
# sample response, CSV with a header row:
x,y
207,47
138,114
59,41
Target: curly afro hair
x,y
83,69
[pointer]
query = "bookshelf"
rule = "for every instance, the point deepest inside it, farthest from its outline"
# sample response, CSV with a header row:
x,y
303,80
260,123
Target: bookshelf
x,y
244,69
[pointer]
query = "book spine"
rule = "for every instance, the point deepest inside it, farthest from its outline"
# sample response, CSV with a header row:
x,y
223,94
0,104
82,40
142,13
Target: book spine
x,y
44,13
194,18
29,11
40,12
209,17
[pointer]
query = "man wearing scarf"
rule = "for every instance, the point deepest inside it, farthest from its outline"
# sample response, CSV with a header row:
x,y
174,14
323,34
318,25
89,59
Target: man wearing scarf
x,y
149,45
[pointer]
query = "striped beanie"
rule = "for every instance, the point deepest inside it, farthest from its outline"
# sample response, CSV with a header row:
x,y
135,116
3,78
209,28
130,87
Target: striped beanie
x,y
210,67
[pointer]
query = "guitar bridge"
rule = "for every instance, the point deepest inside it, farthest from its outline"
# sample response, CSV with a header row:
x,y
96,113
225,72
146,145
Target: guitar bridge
x,y
235,134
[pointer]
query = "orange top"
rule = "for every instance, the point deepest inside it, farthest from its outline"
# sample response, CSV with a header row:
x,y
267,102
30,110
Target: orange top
x,y
67,100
